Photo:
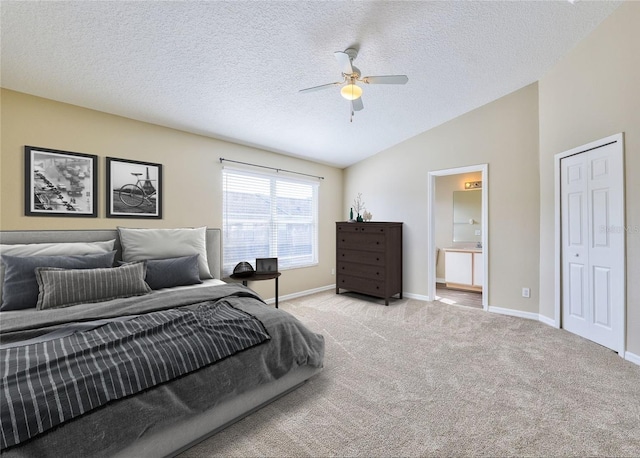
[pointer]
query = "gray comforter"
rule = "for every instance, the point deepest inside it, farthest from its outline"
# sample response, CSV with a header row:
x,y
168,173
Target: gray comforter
x,y
106,430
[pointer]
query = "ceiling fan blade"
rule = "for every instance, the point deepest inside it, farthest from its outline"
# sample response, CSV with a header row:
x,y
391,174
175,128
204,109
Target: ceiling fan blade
x,y
388,79
344,61
317,88
356,105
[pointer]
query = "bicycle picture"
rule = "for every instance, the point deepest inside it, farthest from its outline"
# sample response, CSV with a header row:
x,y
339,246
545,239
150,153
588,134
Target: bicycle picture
x,y
134,189
134,195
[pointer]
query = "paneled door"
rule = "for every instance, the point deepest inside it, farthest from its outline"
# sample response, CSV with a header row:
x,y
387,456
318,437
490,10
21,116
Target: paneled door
x,y
593,234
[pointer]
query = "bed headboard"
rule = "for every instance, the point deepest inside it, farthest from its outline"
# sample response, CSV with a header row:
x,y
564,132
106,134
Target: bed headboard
x,y
12,237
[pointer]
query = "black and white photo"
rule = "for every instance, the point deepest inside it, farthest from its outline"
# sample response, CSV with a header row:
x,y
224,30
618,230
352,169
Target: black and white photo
x,y
134,189
60,183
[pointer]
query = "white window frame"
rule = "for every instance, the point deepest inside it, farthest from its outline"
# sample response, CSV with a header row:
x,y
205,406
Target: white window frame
x,y
283,263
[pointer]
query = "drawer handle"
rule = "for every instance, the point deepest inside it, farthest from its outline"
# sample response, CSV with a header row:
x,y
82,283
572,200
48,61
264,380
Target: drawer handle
x,y
377,273
343,240
342,267
343,255
377,243
377,259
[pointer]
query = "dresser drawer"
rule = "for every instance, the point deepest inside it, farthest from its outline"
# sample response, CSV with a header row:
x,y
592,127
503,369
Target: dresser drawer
x,y
361,257
361,241
367,228
361,270
361,285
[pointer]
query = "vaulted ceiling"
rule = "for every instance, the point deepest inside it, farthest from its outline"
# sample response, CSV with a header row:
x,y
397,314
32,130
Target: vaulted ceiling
x,y
233,69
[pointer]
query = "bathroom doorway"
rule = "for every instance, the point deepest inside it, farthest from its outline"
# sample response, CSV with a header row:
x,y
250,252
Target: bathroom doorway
x,y
458,236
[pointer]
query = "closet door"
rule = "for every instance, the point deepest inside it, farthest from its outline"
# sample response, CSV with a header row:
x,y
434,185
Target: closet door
x,y
592,209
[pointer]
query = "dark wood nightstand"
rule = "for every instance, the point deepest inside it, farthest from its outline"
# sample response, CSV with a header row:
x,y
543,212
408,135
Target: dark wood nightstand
x,y
258,277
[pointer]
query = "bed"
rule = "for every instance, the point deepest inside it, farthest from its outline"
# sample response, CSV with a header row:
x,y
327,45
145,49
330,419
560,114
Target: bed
x,y
148,414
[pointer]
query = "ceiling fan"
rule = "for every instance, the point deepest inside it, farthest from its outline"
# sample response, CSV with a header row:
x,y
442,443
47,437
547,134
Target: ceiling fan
x,y
351,75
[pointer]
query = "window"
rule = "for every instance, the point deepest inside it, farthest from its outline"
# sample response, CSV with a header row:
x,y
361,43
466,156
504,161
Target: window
x,y
268,216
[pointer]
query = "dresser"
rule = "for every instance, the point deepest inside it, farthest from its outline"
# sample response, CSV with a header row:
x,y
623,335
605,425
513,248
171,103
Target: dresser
x,y
369,258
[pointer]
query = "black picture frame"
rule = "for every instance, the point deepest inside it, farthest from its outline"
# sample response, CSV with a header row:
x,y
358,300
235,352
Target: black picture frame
x,y
266,265
134,189
60,183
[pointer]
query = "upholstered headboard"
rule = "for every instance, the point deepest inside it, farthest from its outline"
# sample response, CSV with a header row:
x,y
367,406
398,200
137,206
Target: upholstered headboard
x,y
98,235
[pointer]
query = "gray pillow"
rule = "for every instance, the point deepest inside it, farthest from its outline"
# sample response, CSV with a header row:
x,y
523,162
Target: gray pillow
x,y
145,244
20,288
66,287
166,273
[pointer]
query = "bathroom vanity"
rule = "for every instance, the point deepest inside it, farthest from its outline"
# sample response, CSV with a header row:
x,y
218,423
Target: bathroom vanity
x,y
464,268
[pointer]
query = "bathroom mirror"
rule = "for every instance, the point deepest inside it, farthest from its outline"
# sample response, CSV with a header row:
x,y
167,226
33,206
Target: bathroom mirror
x,y
467,214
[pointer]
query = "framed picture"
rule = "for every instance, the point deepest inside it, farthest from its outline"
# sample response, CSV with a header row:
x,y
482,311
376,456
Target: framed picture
x,y
60,183
134,189
266,265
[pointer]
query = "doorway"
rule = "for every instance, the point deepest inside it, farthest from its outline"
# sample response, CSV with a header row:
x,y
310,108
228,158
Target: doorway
x,y
591,235
473,256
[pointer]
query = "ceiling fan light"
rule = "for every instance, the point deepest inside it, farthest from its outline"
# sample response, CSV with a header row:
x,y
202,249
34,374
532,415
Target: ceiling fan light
x,y
351,92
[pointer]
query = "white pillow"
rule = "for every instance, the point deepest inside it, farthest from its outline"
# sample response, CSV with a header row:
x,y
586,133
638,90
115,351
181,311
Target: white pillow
x,y
52,249
57,249
143,244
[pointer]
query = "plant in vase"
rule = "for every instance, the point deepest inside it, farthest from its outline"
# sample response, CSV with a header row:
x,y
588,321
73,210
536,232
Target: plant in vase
x,y
358,206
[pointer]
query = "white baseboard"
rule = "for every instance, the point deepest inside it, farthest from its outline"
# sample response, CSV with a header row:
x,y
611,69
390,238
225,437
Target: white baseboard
x,y
632,357
418,297
440,280
307,292
548,321
518,313
272,300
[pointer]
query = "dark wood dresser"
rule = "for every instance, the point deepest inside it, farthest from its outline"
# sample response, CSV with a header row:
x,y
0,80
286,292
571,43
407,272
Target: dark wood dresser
x,y
369,258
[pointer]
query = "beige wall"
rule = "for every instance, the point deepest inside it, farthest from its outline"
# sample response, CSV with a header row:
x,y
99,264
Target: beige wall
x,y
592,93
443,212
503,134
192,174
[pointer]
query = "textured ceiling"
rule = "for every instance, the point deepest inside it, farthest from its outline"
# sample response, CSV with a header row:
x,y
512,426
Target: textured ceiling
x,y
232,69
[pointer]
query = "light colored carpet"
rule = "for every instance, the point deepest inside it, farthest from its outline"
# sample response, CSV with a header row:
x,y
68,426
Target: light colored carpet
x,y
430,379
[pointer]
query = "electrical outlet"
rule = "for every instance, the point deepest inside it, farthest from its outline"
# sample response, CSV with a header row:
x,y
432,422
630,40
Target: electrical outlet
x,y
333,271
526,292
477,231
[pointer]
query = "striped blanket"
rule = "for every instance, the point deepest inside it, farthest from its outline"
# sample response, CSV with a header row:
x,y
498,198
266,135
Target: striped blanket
x,y
59,378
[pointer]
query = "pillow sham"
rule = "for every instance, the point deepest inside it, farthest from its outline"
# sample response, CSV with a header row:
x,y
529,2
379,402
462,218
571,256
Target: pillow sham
x,y
145,244
53,249
167,273
66,287
20,287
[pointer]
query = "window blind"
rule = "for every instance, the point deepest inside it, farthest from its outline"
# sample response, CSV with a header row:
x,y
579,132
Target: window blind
x,y
268,216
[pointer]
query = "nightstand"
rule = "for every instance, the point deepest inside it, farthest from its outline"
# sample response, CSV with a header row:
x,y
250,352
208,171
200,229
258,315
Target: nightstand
x,y
258,277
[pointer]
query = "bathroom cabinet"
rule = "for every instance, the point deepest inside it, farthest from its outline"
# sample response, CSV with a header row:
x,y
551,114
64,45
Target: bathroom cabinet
x,y
464,269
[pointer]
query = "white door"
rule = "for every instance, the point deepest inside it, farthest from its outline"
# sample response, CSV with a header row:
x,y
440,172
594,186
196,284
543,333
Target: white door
x,y
592,220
